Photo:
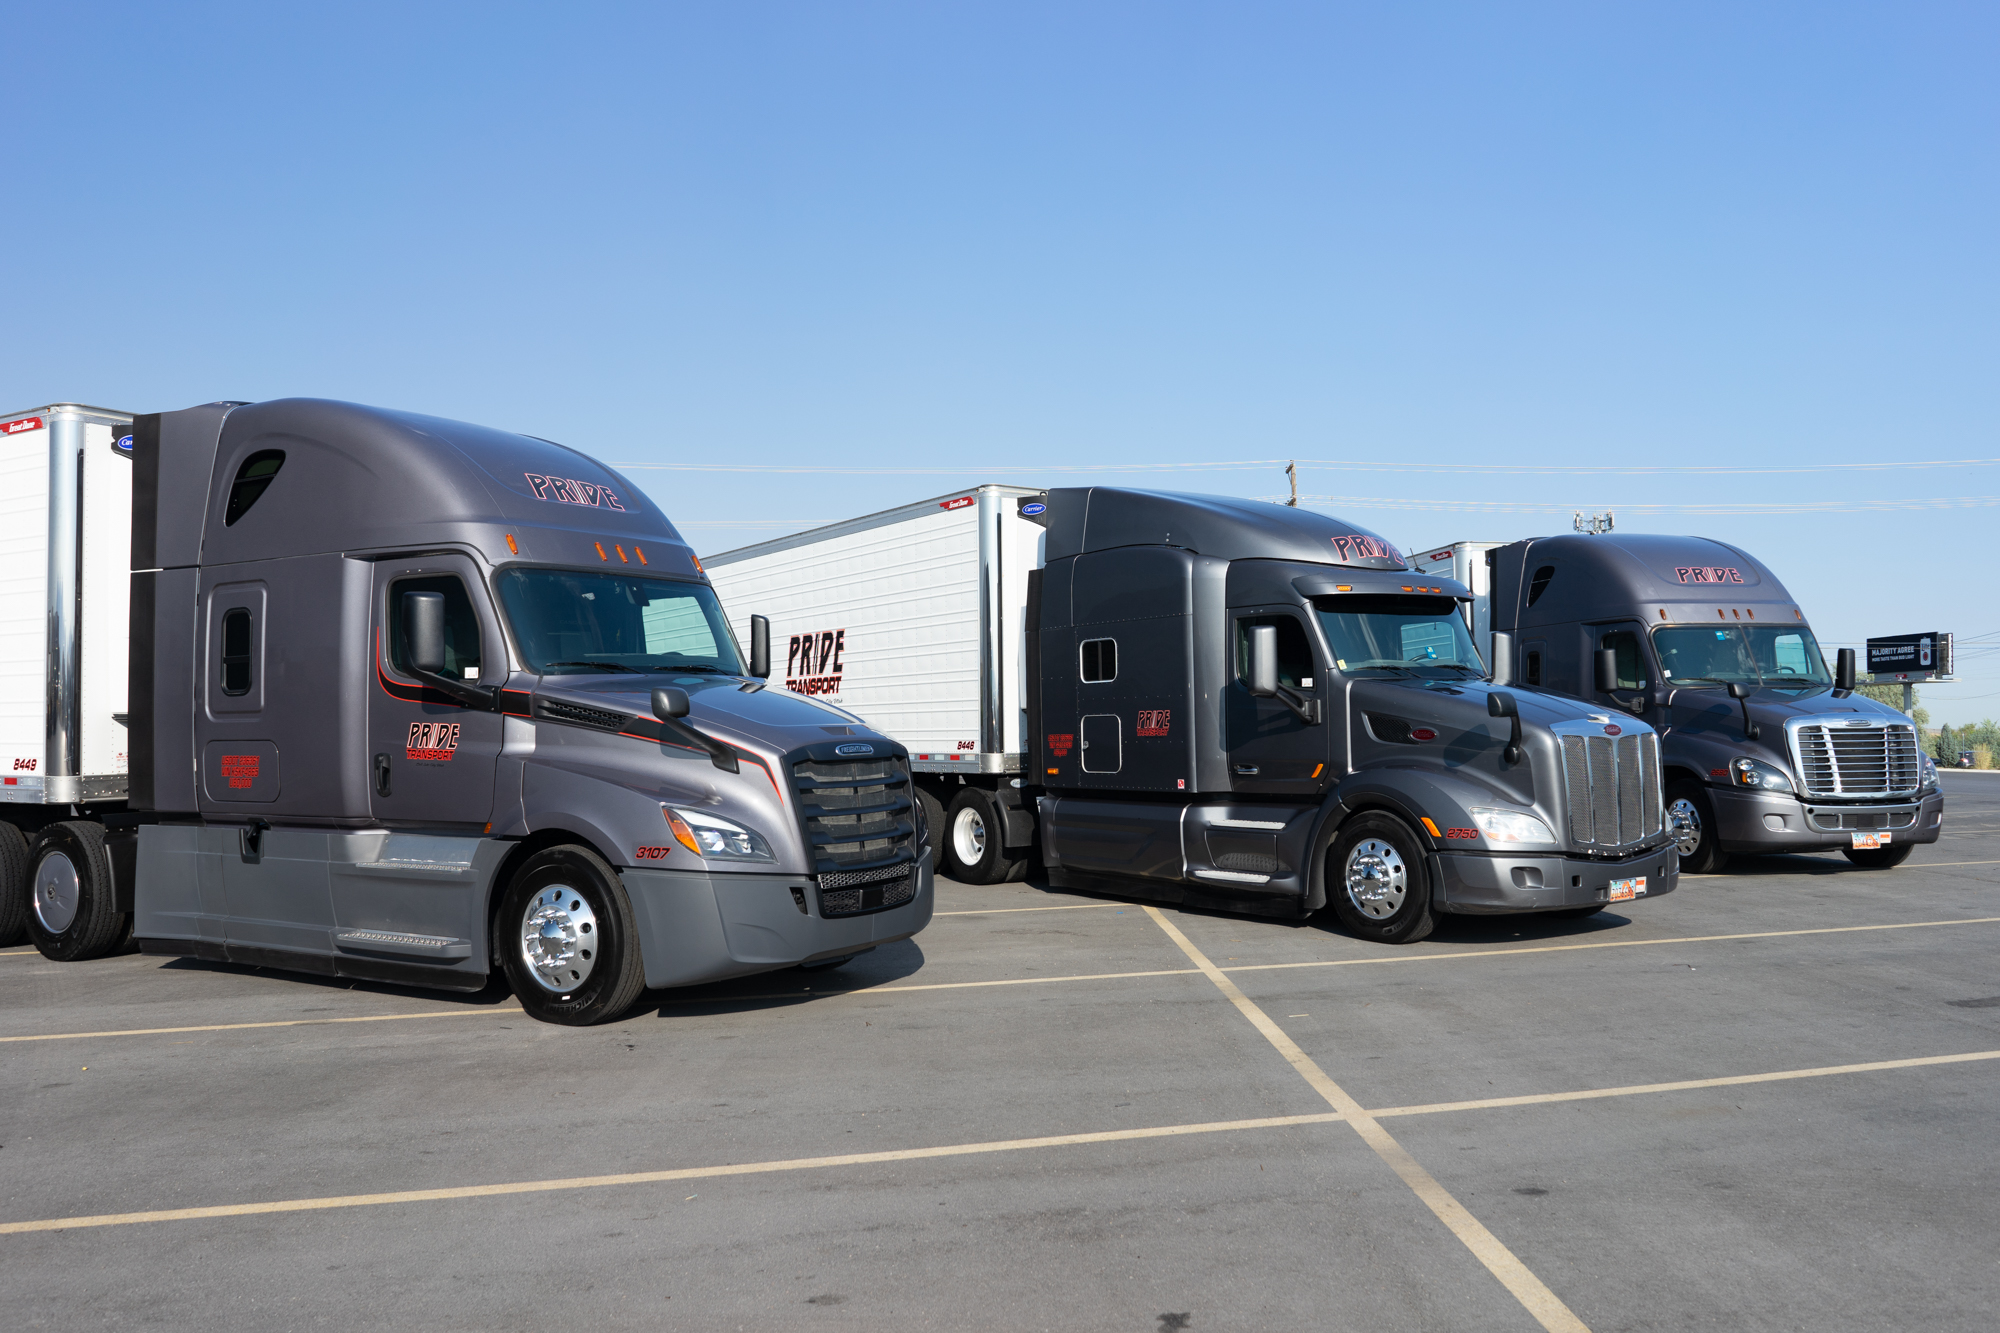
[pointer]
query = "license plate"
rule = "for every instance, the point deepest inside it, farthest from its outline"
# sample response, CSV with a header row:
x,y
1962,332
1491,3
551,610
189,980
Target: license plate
x,y
1625,890
1871,839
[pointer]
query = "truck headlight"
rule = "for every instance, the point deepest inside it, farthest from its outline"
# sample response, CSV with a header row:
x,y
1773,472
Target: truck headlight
x,y
1756,773
1927,772
716,838
1510,826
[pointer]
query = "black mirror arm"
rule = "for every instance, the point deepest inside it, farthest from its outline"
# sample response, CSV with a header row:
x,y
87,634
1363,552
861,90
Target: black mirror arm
x,y
720,753
1751,731
1308,710
472,696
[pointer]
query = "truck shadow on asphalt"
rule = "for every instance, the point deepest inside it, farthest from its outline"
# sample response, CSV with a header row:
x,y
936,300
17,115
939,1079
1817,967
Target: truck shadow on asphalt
x,y
789,986
495,992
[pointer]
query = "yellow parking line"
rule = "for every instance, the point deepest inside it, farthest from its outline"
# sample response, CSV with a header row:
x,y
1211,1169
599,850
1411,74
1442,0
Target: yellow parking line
x,y
1728,1081
654,1177
1529,1290
280,1023
996,911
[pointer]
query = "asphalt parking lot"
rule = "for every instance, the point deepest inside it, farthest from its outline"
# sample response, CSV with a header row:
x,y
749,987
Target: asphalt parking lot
x,y
1768,1101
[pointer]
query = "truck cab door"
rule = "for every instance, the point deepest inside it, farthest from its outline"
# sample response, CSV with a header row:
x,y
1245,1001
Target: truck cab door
x,y
432,760
1636,671
1271,748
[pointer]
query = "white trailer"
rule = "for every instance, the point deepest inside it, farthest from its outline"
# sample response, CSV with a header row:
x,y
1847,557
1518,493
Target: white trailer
x,y
912,619
1466,562
65,591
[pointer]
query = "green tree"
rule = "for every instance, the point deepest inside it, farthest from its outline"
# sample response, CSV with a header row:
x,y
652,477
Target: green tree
x,y
1892,695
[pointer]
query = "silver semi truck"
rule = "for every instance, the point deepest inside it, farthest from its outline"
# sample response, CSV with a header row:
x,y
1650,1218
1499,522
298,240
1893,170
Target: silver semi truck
x,y
1764,748
364,693
1205,700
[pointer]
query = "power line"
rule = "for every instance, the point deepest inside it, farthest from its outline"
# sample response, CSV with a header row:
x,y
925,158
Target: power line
x,y
1349,465
1849,506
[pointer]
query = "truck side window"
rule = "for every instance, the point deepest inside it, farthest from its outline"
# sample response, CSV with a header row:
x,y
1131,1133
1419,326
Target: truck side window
x,y
236,651
1539,584
1295,656
251,481
1631,670
1100,659
461,626
1531,669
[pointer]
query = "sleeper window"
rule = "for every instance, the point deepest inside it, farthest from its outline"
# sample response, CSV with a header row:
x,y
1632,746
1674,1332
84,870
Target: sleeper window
x,y
236,651
461,626
1100,660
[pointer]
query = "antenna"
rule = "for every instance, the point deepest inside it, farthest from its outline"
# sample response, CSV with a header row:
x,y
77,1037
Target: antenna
x,y
1292,471
1593,523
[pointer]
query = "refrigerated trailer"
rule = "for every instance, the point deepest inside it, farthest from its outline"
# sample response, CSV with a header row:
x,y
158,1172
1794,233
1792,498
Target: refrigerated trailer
x,y
371,694
1764,749
1205,700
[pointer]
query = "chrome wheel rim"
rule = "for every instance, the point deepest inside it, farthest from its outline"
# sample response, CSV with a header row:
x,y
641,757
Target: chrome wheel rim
x,y
57,893
1686,822
559,939
968,837
1377,879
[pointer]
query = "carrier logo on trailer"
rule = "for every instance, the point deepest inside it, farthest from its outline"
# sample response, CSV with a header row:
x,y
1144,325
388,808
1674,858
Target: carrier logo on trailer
x,y
1359,547
23,424
960,503
1707,574
432,740
812,663
562,490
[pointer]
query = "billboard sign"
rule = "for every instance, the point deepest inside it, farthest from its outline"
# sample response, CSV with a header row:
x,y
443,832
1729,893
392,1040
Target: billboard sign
x,y
1909,657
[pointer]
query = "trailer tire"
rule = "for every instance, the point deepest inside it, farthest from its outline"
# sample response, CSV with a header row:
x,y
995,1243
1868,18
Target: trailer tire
x,y
13,885
1879,858
72,908
565,938
1377,882
1689,809
932,810
974,831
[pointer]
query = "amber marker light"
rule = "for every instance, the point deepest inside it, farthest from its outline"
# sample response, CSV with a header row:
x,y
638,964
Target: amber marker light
x,y
600,551
512,547
1432,827
641,554
1343,587
697,564
1055,770
682,833
621,554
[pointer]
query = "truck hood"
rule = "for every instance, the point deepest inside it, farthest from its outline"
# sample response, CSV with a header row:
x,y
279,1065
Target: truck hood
x,y
764,719
1462,704
1709,706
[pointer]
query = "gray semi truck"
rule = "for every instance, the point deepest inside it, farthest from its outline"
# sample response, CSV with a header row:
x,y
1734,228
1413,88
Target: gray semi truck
x,y
412,700
1764,749
1218,702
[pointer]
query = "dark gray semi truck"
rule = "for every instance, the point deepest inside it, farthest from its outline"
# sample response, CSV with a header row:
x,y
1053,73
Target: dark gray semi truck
x,y
1218,702
1764,749
414,701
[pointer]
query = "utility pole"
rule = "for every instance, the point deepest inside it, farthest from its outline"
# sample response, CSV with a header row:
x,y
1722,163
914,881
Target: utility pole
x,y
1292,471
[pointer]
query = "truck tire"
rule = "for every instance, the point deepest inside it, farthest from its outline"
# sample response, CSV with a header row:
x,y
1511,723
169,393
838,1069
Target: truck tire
x,y
1689,811
13,885
932,810
973,834
565,938
1879,858
72,911
1376,881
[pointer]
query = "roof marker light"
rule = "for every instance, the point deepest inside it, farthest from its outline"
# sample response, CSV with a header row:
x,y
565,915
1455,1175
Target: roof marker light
x,y
512,547
641,554
1343,587
621,553
600,551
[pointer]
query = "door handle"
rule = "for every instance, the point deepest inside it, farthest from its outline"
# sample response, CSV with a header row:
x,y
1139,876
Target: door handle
x,y
1246,770
381,775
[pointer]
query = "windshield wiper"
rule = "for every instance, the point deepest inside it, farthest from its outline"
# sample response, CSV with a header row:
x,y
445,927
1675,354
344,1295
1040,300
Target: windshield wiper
x,y
601,666
712,670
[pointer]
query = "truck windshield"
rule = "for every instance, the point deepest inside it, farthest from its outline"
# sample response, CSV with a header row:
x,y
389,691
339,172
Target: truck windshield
x,y
1421,636
577,621
1778,655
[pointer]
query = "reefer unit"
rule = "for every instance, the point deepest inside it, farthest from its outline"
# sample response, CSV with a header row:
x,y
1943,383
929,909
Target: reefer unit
x,y
914,618
65,535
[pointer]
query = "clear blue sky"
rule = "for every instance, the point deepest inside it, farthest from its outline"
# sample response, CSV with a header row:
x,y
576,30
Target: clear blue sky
x,y
968,237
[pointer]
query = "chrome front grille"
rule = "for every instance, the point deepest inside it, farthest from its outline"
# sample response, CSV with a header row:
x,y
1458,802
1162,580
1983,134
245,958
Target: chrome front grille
x,y
1613,786
858,815
1834,759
